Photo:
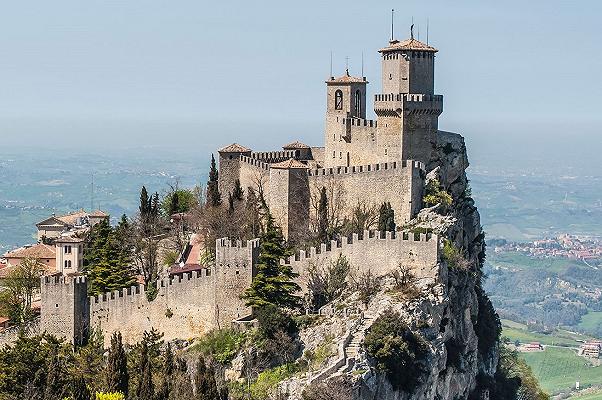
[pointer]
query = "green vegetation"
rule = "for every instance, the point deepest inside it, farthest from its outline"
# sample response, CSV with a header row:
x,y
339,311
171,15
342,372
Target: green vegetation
x,y
327,283
109,396
435,194
178,201
222,345
590,396
398,351
323,234
108,259
514,379
273,284
591,322
453,256
558,369
19,287
214,198
321,353
386,218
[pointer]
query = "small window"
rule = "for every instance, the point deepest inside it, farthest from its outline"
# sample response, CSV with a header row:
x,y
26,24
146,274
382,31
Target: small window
x,y
338,100
237,272
334,154
67,249
340,154
67,263
390,76
385,151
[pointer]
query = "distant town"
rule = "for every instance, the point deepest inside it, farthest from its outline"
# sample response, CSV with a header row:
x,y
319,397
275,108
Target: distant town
x,y
585,248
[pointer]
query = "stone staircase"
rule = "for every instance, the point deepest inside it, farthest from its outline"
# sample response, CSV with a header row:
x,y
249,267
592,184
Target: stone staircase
x,y
352,349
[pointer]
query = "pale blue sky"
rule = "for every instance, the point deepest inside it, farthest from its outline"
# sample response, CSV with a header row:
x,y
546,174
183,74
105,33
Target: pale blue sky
x,y
199,74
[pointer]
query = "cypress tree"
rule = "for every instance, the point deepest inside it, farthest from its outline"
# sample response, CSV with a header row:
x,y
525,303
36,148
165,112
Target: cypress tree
x,y
79,389
116,373
204,382
154,205
55,385
145,389
214,197
386,218
323,217
238,193
144,202
273,283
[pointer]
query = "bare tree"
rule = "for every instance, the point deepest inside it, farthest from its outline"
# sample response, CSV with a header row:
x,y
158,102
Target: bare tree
x,y
336,203
21,284
363,217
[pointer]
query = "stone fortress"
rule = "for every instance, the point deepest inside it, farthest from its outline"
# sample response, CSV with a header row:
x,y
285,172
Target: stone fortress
x,y
370,161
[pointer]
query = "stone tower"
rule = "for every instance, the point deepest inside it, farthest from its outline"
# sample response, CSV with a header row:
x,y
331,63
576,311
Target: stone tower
x,y
346,98
65,310
407,109
229,167
289,198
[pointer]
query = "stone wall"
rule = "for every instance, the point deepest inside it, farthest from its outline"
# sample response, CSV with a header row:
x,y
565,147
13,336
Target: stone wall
x,y
379,252
9,335
400,183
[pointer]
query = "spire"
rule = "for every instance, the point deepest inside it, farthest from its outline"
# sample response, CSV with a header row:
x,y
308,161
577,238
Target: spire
x,y
412,31
392,30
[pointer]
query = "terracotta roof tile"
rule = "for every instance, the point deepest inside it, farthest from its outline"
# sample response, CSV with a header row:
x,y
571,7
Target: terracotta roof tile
x,y
234,148
347,79
295,145
289,164
37,251
408,44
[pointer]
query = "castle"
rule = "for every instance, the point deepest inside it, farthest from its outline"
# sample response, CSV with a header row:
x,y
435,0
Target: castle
x,y
370,161
362,161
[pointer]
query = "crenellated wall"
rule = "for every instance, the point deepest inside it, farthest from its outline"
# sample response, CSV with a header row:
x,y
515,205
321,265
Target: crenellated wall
x,y
400,183
275,156
379,252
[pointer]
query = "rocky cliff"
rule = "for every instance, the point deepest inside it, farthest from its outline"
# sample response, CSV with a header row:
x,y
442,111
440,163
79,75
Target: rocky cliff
x,y
452,315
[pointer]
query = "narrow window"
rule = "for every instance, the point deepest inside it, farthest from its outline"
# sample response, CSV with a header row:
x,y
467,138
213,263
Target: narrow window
x,y
338,100
334,154
358,103
67,249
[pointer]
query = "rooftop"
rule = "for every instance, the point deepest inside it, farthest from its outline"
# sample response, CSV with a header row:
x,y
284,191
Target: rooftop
x,y
295,145
234,148
37,251
408,44
289,164
346,79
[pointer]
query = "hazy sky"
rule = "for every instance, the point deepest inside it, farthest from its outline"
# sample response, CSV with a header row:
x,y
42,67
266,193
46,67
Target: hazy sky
x,y
200,74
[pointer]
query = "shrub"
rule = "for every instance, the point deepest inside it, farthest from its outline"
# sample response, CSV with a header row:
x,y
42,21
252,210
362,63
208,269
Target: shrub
x,y
321,353
398,351
326,284
273,319
109,396
453,256
367,284
222,344
435,194
268,380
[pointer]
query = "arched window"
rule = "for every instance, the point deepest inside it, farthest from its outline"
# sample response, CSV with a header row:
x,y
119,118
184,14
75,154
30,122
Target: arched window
x,y
358,103
338,100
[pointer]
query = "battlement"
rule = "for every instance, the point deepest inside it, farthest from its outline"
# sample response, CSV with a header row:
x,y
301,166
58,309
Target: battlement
x,y
275,156
414,103
378,252
408,97
57,280
366,237
367,168
255,162
139,291
225,242
358,122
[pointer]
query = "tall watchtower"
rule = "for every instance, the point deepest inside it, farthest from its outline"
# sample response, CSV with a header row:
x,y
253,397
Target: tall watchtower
x,y
407,108
345,98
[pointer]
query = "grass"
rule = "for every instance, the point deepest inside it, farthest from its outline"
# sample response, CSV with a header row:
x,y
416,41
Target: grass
x,y
560,337
590,396
515,260
591,321
558,369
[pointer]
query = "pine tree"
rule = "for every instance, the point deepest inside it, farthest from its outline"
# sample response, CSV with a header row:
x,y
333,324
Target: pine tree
x,y
174,204
116,372
154,205
214,198
55,381
167,374
323,217
145,389
273,283
144,202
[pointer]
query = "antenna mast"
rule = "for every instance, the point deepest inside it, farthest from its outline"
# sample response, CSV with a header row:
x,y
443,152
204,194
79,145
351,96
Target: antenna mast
x,y
392,14
362,64
412,29
427,31
331,75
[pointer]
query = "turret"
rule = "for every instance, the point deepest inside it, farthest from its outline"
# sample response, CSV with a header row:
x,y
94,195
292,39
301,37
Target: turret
x,y
229,166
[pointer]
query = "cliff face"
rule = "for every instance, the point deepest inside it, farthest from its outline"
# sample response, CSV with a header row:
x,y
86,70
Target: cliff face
x,y
449,314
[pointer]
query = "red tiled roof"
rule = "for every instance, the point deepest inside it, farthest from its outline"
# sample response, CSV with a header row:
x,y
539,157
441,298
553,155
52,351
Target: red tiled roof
x,y
346,79
37,251
289,164
408,44
234,148
295,145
